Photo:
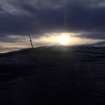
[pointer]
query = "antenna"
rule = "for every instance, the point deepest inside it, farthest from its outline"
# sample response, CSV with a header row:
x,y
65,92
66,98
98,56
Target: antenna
x,y
31,41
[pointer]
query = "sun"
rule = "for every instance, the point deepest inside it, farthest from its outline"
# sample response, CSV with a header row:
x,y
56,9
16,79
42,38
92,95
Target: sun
x,y
63,40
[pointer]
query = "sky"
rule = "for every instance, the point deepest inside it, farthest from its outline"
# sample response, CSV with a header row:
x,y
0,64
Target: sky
x,y
18,18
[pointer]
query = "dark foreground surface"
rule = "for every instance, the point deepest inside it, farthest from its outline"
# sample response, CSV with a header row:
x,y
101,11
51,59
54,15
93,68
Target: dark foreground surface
x,y
53,76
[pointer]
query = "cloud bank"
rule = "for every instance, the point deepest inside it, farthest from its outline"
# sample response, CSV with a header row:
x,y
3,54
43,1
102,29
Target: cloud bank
x,y
21,17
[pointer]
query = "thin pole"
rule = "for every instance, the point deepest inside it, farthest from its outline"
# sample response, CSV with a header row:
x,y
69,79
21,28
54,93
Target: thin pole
x,y
31,41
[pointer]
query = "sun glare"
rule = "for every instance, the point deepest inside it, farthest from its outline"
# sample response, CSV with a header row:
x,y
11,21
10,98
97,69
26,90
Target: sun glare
x,y
63,40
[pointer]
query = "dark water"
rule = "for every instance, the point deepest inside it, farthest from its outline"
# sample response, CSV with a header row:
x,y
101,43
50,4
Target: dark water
x,y
53,76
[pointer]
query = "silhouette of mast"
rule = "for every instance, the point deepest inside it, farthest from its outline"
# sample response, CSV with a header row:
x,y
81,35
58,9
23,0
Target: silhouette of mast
x,y
31,41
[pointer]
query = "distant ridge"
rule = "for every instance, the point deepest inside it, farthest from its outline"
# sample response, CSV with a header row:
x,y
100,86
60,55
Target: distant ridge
x,y
53,54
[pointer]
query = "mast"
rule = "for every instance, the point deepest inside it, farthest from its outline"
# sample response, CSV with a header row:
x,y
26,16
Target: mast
x,y
31,41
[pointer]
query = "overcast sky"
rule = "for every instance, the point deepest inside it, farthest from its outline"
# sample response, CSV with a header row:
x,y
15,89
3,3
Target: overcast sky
x,y
20,17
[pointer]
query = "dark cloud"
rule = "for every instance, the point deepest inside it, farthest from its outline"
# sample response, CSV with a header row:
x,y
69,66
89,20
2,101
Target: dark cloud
x,y
36,16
